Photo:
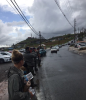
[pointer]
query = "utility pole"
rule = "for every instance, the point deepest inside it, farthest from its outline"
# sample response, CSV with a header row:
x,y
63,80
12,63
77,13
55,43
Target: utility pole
x,y
31,35
82,33
85,31
40,38
74,29
78,31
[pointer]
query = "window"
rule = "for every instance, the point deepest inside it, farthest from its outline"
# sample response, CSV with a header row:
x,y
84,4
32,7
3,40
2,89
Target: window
x,y
3,53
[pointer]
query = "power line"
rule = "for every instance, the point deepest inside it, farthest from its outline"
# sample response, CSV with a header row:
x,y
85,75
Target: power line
x,y
67,5
14,10
70,6
12,7
20,14
74,30
63,13
24,18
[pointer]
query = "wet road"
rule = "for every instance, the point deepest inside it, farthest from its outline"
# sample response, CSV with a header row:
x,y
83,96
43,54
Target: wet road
x,y
63,75
3,70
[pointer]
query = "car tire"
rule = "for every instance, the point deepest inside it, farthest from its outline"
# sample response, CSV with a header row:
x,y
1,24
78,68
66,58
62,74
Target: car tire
x,y
1,61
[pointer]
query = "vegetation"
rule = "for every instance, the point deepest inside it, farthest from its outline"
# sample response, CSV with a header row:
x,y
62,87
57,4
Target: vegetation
x,y
58,40
34,42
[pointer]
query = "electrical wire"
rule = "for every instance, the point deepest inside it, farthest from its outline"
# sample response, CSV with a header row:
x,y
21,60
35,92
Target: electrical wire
x,y
70,6
17,13
68,9
63,13
12,7
14,10
23,18
26,19
67,5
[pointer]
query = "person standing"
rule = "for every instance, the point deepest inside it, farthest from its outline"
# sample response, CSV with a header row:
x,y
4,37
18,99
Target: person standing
x,y
29,59
38,55
17,89
35,59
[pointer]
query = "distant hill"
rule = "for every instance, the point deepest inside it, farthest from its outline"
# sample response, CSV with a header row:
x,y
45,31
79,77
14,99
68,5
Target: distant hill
x,y
32,42
35,42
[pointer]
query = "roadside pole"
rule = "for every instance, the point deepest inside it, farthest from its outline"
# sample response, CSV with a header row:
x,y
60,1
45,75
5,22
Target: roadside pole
x,y
78,31
40,38
74,29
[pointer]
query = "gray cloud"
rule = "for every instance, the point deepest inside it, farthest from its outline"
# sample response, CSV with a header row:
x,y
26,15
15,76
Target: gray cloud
x,y
48,19
9,35
14,23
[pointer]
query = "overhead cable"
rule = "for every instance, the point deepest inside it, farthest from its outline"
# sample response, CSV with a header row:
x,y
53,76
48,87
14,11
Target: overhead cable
x,y
70,6
15,10
24,18
12,7
67,5
63,13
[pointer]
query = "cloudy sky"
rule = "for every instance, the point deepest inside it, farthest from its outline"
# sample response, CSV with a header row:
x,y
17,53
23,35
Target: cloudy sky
x,y
43,15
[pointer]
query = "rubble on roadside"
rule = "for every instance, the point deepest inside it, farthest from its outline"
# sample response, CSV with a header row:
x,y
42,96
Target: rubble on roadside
x,y
75,50
4,90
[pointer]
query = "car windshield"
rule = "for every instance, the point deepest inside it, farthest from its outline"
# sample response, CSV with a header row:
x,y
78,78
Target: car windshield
x,y
3,53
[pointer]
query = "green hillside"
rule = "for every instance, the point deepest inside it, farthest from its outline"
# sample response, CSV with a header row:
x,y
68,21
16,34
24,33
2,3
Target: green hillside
x,y
34,42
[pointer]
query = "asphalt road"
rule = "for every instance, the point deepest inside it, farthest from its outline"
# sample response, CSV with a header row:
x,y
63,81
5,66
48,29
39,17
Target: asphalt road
x,y
63,75
3,70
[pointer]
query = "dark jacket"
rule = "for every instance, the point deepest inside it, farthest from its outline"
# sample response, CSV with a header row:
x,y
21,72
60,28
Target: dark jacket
x,y
16,85
28,58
